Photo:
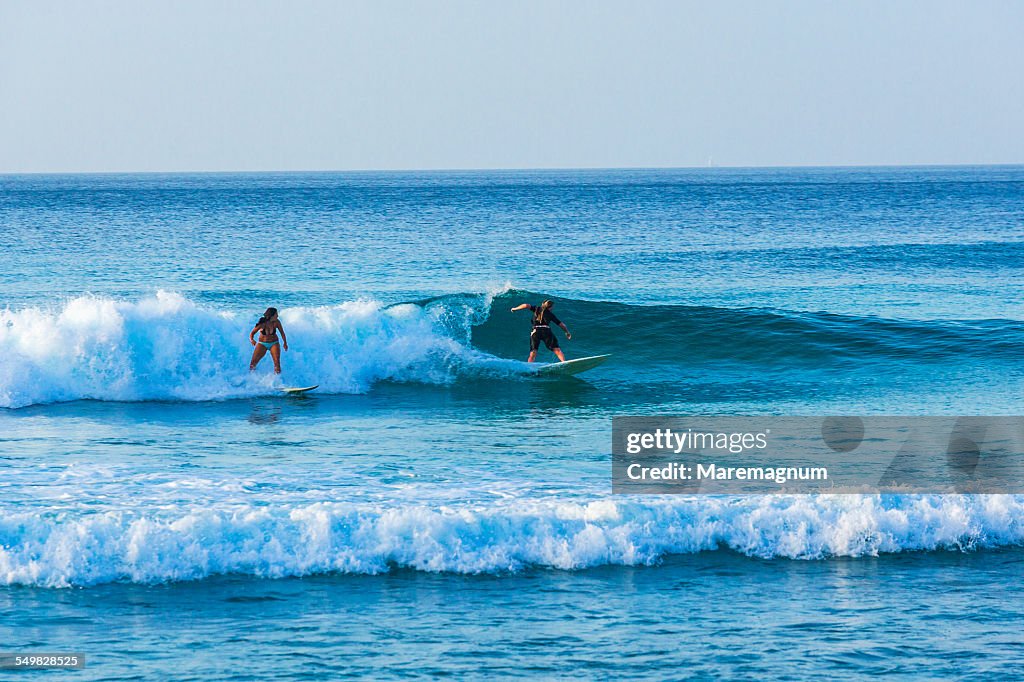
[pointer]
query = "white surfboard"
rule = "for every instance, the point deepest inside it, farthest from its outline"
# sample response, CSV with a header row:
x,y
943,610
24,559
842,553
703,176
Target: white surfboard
x,y
572,366
294,391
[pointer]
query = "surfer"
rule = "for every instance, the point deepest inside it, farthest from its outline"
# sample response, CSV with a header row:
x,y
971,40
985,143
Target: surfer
x,y
268,326
542,319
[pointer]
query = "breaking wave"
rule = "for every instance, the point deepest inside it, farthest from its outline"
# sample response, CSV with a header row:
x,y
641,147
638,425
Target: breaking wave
x,y
57,549
166,347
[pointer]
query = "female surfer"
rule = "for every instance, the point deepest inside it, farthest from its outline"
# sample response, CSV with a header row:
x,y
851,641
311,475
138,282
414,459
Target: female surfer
x,y
542,319
268,326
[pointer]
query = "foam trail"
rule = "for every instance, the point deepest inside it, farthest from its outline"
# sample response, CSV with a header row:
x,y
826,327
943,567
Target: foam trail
x,y
57,550
167,347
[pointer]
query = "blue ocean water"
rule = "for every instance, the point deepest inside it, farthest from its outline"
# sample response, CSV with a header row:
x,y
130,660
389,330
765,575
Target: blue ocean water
x,y
434,510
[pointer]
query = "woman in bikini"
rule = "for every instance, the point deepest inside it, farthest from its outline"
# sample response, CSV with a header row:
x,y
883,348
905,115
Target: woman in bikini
x,y
268,326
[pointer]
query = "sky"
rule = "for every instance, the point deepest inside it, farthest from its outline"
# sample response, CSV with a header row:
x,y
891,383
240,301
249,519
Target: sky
x,y
92,86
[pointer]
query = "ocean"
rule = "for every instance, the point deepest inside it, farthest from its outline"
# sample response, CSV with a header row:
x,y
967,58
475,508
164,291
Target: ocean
x,y
432,509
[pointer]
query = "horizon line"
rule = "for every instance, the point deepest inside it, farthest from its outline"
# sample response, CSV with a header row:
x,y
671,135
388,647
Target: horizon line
x,y
508,169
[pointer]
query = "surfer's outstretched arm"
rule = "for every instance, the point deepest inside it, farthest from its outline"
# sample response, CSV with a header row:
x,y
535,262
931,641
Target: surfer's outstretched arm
x,y
521,306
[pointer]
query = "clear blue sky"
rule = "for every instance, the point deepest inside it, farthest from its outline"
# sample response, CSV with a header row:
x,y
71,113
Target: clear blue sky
x,y
249,85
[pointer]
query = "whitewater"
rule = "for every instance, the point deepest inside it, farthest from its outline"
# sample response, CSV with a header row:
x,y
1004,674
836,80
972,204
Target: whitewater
x,y
333,537
165,347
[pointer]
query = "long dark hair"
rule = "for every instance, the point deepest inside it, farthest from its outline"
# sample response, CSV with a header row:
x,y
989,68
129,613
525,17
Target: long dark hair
x,y
538,316
267,316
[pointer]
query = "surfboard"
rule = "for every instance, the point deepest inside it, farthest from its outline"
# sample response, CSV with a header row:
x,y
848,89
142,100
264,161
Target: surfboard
x,y
295,391
570,367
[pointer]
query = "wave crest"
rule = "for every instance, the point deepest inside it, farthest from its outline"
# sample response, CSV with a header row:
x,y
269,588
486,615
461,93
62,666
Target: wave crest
x,y
55,550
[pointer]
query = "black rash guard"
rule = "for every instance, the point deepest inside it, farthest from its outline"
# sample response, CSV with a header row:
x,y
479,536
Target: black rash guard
x,y
547,317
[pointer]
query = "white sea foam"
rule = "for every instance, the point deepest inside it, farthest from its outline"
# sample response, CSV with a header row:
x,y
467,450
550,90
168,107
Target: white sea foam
x,y
168,347
55,549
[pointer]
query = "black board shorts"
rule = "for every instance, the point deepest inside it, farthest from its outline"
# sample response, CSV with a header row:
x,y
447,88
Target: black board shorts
x,y
542,334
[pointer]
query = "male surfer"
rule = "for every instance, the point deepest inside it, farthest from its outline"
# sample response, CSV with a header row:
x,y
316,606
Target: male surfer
x,y
542,319
268,326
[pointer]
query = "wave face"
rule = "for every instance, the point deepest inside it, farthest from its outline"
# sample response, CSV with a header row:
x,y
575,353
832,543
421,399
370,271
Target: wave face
x,y
167,347
683,334
54,550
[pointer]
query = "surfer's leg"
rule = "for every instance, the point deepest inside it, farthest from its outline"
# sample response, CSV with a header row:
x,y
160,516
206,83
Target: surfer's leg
x,y
533,356
257,354
275,353
552,343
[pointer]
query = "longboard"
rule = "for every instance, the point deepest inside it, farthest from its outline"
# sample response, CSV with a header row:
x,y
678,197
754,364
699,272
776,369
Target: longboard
x,y
572,366
296,391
